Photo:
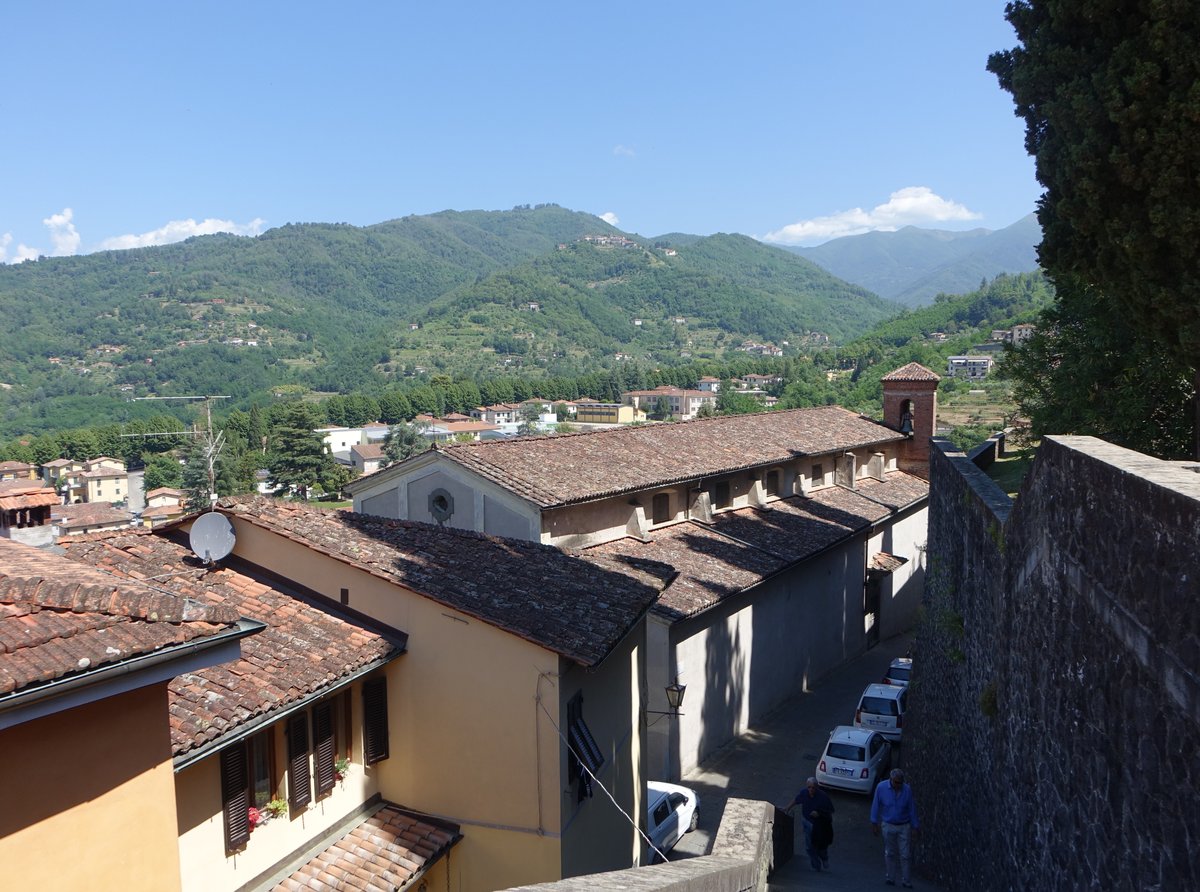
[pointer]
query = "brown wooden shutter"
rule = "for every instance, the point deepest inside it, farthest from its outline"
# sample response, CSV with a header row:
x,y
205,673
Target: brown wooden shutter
x,y
375,720
235,796
323,747
299,779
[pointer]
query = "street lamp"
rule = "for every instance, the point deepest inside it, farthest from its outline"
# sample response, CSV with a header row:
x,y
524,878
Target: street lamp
x,y
674,699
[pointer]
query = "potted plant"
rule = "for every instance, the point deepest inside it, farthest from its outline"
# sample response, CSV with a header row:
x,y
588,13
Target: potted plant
x,y
277,807
340,766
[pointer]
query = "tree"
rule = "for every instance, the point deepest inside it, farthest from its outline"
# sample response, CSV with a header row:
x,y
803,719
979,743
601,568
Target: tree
x,y
1108,93
404,440
530,414
662,409
298,460
161,470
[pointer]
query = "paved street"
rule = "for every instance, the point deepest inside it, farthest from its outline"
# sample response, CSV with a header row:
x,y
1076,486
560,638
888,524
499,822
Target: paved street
x,y
772,761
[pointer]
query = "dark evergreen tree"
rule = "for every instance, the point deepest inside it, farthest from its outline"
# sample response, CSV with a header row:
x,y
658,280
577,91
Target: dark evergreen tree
x,y
297,461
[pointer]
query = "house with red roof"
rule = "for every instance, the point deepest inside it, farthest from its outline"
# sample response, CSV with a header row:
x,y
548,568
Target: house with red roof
x,y
774,523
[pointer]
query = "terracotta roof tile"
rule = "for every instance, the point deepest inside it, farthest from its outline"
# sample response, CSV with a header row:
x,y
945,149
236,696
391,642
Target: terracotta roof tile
x,y
385,852
60,618
303,650
914,371
562,470
579,607
742,548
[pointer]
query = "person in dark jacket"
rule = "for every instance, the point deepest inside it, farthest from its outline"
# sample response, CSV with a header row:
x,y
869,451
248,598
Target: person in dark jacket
x,y
816,814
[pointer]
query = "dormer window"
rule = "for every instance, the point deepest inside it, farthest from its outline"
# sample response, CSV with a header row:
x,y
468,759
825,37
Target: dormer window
x,y
720,494
771,482
661,508
818,476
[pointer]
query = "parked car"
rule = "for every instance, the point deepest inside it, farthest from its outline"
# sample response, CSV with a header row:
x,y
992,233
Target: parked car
x,y
881,709
855,759
671,811
899,672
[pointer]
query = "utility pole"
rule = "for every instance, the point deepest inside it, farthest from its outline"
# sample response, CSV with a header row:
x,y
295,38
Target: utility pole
x,y
212,444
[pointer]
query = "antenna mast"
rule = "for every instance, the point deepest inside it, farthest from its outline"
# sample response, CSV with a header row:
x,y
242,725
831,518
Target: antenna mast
x,y
212,444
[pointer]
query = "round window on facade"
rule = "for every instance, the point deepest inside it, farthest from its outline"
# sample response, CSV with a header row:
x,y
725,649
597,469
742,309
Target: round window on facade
x,y
441,505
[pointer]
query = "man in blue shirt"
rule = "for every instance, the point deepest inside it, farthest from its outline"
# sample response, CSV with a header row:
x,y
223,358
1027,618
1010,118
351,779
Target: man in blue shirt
x,y
894,809
816,809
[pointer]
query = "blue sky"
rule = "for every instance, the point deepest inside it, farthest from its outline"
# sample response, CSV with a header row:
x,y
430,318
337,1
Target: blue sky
x,y
127,124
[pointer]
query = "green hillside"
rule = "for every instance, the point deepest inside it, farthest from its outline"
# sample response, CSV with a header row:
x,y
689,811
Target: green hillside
x,y
338,308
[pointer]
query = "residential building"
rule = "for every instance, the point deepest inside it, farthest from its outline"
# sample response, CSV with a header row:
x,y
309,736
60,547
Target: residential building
x,y
101,479
367,459
165,496
89,797
969,366
17,470
798,538
683,404
498,413
484,656
1022,332
105,484
88,517
608,413
709,384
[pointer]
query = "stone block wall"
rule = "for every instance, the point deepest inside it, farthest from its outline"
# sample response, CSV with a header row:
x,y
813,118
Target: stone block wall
x,y
1054,739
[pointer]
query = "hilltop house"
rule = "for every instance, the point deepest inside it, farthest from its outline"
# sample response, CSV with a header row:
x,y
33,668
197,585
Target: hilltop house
x,y
89,799
798,538
437,688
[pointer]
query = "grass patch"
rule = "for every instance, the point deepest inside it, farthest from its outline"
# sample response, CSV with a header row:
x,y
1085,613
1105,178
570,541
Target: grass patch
x,y
1009,471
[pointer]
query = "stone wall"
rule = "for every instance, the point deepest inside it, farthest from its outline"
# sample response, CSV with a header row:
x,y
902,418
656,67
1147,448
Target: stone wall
x,y
1054,738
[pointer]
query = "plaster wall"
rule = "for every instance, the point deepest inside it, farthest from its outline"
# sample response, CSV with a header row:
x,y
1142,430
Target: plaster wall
x,y
473,718
88,798
1060,656
204,861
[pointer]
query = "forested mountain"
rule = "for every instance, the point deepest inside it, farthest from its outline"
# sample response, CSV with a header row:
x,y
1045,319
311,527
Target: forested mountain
x,y
914,265
338,308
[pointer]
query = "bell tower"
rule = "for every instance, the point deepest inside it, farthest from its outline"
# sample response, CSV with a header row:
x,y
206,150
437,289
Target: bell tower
x,y
910,406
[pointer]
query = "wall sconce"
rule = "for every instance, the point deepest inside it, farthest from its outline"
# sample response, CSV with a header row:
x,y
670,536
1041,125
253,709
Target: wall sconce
x,y
674,699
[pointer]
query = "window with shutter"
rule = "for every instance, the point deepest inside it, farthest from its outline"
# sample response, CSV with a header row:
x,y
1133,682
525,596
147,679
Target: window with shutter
x,y
235,796
299,781
375,720
324,747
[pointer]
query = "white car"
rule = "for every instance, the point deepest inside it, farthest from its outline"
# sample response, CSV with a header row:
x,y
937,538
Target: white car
x,y
855,759
898,673
671,811
881,708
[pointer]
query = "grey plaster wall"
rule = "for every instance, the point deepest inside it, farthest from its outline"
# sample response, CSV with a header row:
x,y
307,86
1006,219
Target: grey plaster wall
x,y
1055,725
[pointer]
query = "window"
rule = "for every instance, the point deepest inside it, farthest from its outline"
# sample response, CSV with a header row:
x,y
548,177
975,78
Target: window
x,y
662,507
771,483
720,494
584,752
818,475
247,778
299,781
375,720
325,746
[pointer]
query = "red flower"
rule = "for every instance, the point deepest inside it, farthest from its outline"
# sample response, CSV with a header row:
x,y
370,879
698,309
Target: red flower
x,y
255,817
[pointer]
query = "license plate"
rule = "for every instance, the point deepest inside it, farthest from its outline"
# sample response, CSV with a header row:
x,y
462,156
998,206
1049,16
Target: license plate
x,y
844,772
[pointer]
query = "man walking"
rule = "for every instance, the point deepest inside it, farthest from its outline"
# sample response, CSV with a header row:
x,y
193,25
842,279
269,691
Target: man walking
x,y
894,808
816,814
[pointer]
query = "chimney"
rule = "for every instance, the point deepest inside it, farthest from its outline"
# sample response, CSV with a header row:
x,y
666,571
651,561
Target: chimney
x,y
910,406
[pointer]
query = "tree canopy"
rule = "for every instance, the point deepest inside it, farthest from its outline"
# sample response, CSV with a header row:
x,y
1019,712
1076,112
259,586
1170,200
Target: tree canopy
x,y
1110,93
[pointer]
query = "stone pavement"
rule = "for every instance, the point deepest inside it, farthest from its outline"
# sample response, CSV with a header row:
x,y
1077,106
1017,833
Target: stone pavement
x,y
771,762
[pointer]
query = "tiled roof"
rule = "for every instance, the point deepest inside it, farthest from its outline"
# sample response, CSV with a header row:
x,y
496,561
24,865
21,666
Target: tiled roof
x,y
33,495
60,618
88,514
58,463
303,650
15,466
743,547
562,470
165,491
369,451
914,371
574,606
386,852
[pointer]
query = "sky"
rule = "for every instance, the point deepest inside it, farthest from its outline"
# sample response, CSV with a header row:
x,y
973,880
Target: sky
x,y
129,124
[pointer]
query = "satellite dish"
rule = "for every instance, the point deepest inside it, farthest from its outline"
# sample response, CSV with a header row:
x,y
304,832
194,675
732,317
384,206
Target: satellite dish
x,y
212,537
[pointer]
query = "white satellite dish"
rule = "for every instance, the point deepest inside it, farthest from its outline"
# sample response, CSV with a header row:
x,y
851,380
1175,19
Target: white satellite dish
x,y
212,537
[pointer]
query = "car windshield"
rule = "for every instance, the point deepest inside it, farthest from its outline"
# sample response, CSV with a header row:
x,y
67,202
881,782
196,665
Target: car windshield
x,y
847,751
879,706
898,673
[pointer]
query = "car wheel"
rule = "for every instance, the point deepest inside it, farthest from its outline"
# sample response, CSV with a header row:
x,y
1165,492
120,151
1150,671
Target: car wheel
x,y
695,821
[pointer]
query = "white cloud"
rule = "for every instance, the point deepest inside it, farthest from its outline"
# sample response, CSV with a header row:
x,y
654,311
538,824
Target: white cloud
x,y
910,206
62,233
624,150
610,218
178,230
5,241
